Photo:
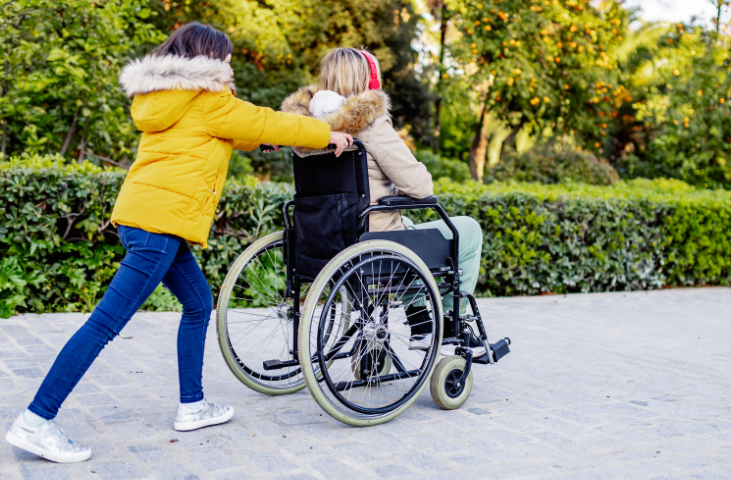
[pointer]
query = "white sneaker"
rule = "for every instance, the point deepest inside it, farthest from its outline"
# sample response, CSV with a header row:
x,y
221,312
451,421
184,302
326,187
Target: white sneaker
x,y
208,414
420,342
47,441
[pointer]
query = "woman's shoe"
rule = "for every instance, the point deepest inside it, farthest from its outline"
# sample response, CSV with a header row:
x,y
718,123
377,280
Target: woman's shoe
x,y
419,319
207,414
420,342
47,441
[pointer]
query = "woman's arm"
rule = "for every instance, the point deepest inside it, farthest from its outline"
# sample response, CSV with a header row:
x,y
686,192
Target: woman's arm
x,y
248,126
408,174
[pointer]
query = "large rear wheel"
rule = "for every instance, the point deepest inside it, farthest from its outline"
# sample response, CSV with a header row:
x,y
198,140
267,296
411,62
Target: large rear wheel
x,y
368,375
254,318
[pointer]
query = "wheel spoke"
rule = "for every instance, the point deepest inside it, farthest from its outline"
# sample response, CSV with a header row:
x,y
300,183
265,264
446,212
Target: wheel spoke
x,y
257,323
361,385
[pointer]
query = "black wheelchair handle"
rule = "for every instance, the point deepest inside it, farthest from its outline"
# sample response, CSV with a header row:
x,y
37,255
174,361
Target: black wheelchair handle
x,y
266,148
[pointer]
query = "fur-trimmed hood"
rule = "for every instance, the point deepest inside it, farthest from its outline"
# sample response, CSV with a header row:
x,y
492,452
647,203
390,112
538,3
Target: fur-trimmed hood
x,y
171,72
358,112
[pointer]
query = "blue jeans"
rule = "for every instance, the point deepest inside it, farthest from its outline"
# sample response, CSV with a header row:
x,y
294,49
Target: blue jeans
x,y
151,258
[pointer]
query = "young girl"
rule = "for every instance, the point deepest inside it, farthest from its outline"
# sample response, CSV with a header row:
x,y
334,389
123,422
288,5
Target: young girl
x,y
190,120
349,98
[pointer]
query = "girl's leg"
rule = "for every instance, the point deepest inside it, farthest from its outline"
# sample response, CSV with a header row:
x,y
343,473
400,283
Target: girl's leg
x,y
185,279
188,284
148,258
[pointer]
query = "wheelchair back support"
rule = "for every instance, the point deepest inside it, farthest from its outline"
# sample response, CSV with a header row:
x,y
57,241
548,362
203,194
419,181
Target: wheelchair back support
x,y
331,192
331,196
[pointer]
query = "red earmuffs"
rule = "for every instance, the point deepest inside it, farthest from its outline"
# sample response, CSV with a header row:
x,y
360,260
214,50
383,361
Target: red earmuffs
x,y
373,83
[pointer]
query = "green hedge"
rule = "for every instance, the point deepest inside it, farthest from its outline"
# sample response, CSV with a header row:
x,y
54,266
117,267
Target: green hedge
x,y
58,251
552,162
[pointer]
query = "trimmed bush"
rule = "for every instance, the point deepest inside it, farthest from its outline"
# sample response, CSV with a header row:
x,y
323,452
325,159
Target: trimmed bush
x,y
58,251
553,163
635,235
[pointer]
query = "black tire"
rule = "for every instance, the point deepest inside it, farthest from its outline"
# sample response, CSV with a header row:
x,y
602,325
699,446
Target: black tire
x,y
446,390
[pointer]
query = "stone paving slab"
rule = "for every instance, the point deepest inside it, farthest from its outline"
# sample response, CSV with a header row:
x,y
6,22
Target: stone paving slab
x,y
615,385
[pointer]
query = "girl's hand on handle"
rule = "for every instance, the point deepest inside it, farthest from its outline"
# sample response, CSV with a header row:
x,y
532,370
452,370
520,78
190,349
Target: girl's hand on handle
x,y
341,141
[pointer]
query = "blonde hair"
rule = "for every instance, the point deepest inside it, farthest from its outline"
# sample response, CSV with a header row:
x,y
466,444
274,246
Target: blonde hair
x,y
346,71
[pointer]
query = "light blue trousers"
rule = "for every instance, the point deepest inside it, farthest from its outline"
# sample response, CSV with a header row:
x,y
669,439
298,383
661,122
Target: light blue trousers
x,y
470,252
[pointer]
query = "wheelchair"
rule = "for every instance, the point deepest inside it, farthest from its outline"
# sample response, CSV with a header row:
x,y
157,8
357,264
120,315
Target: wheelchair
x,y
324,303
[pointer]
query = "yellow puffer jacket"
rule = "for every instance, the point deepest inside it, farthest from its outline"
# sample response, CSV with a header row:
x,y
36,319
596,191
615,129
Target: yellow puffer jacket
x,y
190,121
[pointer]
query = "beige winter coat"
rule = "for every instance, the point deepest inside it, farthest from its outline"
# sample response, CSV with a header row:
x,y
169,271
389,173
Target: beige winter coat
x,y
392,169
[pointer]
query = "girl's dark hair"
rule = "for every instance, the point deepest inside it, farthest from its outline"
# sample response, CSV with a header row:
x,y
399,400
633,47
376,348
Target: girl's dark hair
x,y
194,39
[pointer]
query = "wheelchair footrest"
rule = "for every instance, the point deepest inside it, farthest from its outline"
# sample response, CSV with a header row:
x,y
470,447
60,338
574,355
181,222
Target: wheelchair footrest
x,y
500,349
278,364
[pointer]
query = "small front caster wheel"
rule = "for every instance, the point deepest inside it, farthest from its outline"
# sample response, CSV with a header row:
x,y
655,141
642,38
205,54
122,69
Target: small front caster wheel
x,y
446,389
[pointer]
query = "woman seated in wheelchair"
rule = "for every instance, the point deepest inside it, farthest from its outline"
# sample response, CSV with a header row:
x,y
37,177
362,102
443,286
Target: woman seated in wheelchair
x,y
349,97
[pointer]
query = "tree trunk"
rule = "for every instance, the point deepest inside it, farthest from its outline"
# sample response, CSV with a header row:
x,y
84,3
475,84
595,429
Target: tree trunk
x,y
82,145
71,133
3,142
438,102
718,15
478,150
510,138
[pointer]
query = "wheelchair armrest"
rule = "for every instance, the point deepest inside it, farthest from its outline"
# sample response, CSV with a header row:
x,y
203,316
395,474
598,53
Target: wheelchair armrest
x,y
402,200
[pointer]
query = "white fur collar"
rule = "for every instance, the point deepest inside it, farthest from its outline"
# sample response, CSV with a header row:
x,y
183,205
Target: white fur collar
x,y
352,116
172,72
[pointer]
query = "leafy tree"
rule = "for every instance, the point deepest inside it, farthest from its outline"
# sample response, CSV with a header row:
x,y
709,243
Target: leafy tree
x,y
537,64
61,60
277,46
681,115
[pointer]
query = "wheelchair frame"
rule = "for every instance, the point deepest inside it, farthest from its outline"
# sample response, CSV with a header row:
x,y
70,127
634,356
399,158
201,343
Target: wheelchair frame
x,y
430,254
387,204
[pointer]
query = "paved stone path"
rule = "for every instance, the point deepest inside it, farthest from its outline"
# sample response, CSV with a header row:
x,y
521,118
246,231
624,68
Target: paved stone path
x,y
634,385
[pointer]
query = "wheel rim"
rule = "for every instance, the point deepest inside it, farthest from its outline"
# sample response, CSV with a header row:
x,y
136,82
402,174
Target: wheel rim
x,y
452,386
380,278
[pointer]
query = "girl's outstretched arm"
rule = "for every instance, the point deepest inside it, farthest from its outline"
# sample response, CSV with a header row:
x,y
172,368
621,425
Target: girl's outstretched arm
x,y
226,116
341,141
